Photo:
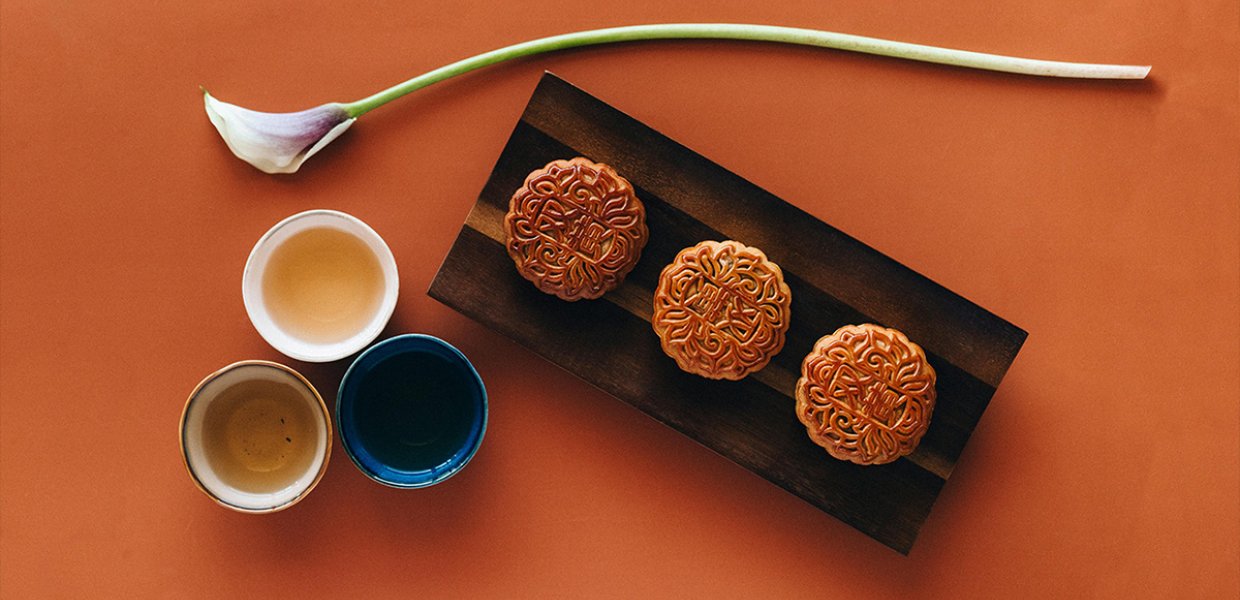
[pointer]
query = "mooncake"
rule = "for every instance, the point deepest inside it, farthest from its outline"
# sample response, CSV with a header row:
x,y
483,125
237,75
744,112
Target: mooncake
x,y
575,229
866,394
722,310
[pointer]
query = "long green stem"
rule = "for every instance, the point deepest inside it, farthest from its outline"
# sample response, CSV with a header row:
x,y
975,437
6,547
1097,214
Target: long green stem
x,y
763,33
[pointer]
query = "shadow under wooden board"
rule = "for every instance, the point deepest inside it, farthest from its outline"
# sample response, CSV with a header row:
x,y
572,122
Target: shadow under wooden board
x,y
835,280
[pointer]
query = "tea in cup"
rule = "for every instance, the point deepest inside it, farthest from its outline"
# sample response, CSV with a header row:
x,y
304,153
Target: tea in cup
x,y
256,436
320,285
411,411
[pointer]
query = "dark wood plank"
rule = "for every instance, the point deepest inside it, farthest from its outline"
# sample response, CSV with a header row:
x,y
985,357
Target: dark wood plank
x,y
609,342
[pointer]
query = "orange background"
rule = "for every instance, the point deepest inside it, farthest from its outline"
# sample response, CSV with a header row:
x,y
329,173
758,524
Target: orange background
x,y
1104,218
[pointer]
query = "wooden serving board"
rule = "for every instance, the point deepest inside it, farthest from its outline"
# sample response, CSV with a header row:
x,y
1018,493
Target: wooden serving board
x,y
835,280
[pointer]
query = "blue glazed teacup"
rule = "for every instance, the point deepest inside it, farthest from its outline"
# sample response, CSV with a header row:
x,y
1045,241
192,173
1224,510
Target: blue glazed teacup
x,y
411,411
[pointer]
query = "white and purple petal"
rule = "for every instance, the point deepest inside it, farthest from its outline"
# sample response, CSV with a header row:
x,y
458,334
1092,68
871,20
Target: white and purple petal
x,y
276,142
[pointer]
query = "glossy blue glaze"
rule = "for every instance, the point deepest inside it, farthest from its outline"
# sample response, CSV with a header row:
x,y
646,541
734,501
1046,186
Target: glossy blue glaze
x,y
393,397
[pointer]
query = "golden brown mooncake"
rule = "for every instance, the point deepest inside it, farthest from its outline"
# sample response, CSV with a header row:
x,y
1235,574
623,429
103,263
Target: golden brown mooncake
x,y
722,309
866,394
575,229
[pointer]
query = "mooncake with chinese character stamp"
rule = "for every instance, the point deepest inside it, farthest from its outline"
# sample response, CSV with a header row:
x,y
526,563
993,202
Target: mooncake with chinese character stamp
x,y
722,310
866,394
575,229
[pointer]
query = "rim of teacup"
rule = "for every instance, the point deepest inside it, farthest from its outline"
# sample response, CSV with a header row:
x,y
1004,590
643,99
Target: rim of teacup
x,y
384,346
326,420
260,255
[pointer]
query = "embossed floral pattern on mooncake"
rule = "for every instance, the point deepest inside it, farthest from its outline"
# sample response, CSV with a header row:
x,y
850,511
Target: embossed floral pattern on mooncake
x,y
866,394
722,309
575,229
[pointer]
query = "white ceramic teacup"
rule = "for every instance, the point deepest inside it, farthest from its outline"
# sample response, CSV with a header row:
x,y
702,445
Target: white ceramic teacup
x,y
267,321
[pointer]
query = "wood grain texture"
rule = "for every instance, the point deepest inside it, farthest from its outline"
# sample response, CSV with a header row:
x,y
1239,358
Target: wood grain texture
x,y
835,280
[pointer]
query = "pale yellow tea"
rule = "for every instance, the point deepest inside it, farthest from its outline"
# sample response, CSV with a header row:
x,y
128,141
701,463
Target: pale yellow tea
x,y
259,436
322,285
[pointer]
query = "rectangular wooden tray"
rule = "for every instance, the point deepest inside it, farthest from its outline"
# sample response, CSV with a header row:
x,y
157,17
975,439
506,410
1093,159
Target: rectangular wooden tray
x,y
835,280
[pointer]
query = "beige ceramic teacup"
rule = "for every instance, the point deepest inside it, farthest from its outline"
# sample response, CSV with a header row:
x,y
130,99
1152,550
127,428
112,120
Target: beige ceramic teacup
x,y
256,436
